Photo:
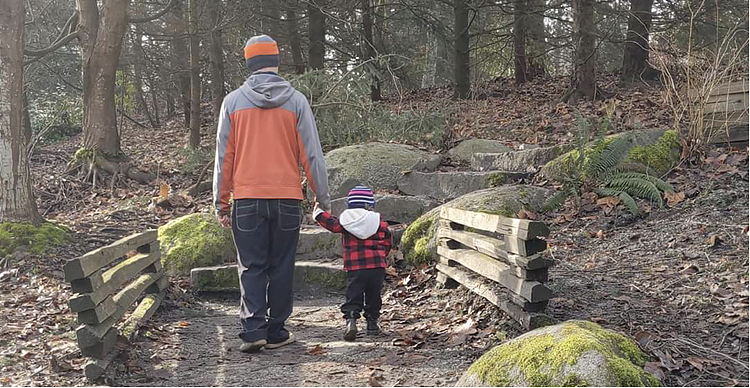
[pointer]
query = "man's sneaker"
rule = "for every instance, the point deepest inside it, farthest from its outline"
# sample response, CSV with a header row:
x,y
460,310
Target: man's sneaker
x,y
276,345
372,327
252,347
350,332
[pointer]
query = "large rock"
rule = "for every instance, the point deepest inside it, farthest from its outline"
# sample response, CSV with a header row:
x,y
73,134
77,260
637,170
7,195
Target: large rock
x,y
654,151
418,242
318,243
377,165
195,240
226,277
449,185
398,209
573,353
526,160
467,148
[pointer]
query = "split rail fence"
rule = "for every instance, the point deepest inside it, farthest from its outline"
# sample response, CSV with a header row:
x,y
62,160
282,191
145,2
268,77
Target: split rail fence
x,y
498,258
106,288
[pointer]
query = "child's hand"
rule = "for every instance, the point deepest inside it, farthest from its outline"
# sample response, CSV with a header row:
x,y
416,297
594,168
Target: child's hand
x,y
315,208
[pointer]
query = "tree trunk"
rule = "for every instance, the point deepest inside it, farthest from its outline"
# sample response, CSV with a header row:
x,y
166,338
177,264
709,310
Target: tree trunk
x,y
180,57
368,49
100,35
217,60
583,78
635,64
461,69
317,34
294,40
519,41
536,44
139,67
16,195
195,81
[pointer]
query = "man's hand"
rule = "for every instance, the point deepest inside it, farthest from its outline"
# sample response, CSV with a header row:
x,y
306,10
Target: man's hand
x,y
225,221
315,207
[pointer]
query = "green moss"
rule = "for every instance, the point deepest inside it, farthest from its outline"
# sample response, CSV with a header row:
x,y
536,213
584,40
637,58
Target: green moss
x,y
495,180
539,358
574,381
84,155
325,277
416,239
196,240
34,239
220,280
661,156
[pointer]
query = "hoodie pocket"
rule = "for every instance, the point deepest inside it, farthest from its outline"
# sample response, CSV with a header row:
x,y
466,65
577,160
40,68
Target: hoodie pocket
x,y
290,216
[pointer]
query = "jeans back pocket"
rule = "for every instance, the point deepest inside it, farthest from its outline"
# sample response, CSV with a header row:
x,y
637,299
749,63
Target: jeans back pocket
x,y
246,215
290,216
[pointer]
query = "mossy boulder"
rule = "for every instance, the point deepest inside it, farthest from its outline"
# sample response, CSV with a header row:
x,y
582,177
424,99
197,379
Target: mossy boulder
x,y
466,149
377,165
195,240
24,236
418,242
572,353
654,151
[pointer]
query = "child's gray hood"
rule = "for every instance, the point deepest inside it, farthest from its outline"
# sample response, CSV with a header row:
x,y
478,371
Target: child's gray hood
x,y
360,222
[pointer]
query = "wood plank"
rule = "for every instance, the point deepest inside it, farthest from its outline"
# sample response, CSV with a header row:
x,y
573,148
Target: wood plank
x,y
446,281
148,248
734,87
490,267
99,313
523,247
732,135
145,310
489,291
88,284
495,248
100,348
740,96
94,369
524,229
530,290
87,264
89,335
159,285
113,278
725,106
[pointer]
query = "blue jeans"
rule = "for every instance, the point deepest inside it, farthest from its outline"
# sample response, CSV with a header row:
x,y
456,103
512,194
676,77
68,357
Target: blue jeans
x,y
266,233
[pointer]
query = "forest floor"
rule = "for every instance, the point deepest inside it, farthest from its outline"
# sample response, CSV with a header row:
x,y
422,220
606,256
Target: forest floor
x,y
676,279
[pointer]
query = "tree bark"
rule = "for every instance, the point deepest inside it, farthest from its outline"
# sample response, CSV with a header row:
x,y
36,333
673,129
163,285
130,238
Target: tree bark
x,y
139,67
317,34
294,40
16,195
368,49
635,64
217,60
519,41
583,78
528,40
462,65
180,57
195,81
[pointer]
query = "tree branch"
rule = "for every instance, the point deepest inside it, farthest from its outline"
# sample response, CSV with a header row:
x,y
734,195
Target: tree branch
x,y
155,16
61,42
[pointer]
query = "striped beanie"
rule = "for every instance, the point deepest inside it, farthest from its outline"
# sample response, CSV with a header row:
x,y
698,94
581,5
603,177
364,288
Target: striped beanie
x,y
260,52
360,197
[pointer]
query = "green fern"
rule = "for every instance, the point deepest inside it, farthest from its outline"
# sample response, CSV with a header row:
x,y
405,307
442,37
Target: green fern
x,y
610,157
660,184
558,199
636,186
625,198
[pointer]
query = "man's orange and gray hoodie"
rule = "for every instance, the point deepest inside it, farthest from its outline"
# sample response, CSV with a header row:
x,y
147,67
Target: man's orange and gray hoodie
x,y
266,130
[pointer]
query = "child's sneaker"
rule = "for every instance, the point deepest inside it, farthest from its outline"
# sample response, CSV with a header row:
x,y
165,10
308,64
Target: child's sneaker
x,y
372,327
350,333
276,345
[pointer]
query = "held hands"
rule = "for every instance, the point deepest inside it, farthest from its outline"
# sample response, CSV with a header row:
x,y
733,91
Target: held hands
x,y
225,220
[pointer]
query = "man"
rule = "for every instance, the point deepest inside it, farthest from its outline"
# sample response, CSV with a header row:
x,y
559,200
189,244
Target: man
x,y
266,130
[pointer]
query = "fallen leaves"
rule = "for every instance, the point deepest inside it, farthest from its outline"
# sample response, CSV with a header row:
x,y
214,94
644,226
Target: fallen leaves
x,y
316,350
462,332
183,323
674,198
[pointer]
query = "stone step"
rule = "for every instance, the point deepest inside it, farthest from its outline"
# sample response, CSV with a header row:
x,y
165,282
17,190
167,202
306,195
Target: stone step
x,y
315,242
525,161
444,186
225,278
398,209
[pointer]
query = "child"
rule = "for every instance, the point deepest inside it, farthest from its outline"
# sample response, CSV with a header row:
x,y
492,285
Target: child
x,y
367,242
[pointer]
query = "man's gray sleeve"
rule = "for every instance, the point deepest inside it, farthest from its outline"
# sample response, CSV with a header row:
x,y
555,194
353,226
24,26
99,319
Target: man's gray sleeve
x,y
311,153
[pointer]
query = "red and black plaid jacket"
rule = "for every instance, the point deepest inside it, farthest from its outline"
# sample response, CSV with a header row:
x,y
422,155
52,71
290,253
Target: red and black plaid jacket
x,y
360,254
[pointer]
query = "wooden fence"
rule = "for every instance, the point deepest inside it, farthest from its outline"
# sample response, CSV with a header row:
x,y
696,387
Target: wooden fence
x,y
498,258
105,291
726,111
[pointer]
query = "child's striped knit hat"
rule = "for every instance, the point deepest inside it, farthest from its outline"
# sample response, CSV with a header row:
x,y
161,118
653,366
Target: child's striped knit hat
x,y
360,197
261,51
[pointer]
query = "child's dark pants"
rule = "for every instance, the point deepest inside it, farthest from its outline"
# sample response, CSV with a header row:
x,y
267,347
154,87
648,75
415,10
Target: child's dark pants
x,y
363,293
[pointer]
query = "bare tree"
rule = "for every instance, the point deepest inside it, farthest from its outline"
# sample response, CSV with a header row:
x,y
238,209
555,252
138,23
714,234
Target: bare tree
x,y
583,78
216,55
368,49
16,195
462,66
317,34
180,56
294,38
529,46
635,61
195,80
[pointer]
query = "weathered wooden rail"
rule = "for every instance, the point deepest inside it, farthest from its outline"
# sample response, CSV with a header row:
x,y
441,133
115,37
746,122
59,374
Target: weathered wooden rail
x,y
726,111
106,288
498,258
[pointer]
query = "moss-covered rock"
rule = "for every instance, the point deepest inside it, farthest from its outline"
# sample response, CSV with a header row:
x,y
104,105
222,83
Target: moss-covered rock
x,y
652,150
377,165
195,240
572,353
26,237
466,149
418,242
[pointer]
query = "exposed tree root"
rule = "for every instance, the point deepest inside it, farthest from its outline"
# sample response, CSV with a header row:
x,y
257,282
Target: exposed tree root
x,y
97,167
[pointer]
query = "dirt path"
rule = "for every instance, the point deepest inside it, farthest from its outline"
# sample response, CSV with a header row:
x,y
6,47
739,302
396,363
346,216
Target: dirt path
x,y
198,347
